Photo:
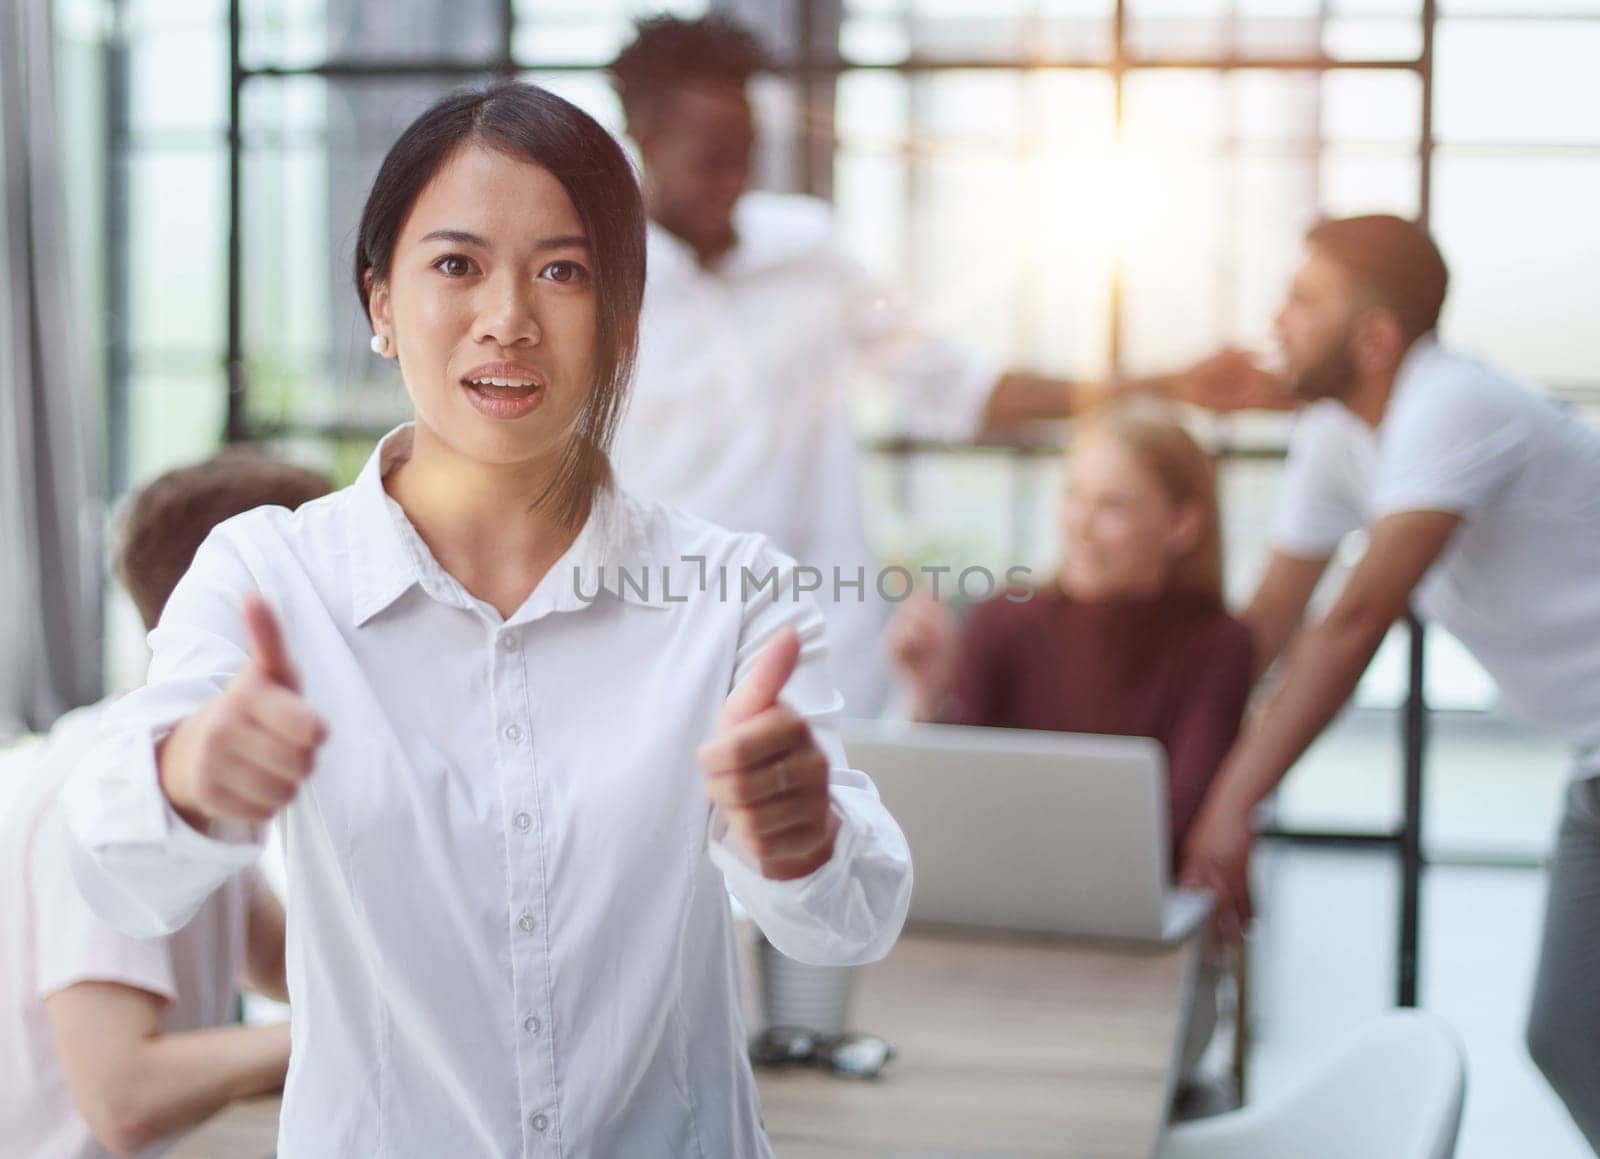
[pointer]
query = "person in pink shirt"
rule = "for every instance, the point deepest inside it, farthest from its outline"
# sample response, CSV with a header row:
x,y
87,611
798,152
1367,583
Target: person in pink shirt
x,y
111,1044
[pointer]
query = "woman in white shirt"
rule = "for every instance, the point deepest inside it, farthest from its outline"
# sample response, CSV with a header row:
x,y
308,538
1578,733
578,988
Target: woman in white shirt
x,y
518,728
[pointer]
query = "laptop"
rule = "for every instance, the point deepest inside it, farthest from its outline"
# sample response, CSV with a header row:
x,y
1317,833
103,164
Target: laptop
x,y
1044,832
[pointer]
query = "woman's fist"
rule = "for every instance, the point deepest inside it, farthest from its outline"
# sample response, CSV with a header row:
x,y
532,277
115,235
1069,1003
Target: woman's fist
x,y
767,773
243,755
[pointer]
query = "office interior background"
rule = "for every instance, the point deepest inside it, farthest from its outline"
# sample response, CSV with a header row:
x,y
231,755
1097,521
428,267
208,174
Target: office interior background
x,y
1085,187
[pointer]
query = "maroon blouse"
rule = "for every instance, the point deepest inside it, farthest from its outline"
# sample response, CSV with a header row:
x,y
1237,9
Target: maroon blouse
x,y
1176,668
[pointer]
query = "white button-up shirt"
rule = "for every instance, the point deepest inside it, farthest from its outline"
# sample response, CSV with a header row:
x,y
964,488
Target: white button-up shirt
x,y
508,927
741,408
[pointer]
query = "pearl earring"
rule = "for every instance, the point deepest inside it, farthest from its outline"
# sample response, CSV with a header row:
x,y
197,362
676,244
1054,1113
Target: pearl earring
x,y
380,345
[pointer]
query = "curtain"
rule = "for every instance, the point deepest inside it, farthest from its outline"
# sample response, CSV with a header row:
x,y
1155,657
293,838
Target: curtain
x,y
49,507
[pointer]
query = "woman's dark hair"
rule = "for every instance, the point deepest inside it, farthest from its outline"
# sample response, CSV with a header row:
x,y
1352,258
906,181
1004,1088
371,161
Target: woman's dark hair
x,y
528,123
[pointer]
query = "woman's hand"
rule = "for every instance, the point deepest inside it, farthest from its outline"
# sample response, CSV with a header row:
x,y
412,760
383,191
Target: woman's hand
x,y
922,643
243,755
766,772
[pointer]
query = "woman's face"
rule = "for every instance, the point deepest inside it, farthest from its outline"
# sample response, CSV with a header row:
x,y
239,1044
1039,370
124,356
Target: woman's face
x,y
1120,530
490,309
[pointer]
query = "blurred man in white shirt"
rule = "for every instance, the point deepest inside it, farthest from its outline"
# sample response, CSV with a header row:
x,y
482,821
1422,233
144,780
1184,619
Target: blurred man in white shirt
x,y
756,327
111,1044
1480,500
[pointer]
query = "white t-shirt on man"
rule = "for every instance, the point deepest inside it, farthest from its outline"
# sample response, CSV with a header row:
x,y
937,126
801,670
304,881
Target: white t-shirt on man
x,y
740,411
1519,584
53,941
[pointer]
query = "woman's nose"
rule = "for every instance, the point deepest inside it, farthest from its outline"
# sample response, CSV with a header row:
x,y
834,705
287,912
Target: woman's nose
x,y
508,317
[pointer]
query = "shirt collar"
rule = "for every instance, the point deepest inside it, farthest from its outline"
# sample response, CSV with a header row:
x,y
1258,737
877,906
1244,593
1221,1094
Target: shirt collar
x,y
618,547
388,557
383,560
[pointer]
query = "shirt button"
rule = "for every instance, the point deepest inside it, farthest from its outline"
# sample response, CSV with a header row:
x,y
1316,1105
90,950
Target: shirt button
x,y
531,1024
508,643
523,822
539,1123
526,923
513,733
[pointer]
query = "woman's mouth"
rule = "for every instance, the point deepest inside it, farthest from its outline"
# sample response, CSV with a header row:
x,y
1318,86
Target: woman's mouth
x,y
503,397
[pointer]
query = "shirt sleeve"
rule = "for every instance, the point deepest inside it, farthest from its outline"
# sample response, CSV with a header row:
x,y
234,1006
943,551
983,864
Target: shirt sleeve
x,y
1315,509
1215,692
74,945
851,909
1450,444
980,688
943,389
138,864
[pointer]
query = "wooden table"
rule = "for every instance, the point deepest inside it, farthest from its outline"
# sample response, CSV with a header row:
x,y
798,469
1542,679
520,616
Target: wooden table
x,y
1006,1047
246,1130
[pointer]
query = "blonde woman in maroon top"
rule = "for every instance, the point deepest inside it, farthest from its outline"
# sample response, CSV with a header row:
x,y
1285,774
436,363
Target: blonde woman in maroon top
x,y
1130,637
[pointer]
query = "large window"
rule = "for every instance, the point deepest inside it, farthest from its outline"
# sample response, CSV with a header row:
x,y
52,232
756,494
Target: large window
x,y
1080,185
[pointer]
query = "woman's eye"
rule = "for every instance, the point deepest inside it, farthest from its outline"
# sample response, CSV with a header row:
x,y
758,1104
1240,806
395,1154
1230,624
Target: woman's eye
x,y
454,266
565,273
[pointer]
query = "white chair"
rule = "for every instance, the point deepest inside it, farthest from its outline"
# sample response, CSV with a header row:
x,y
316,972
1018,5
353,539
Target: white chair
x,y
1393,1092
